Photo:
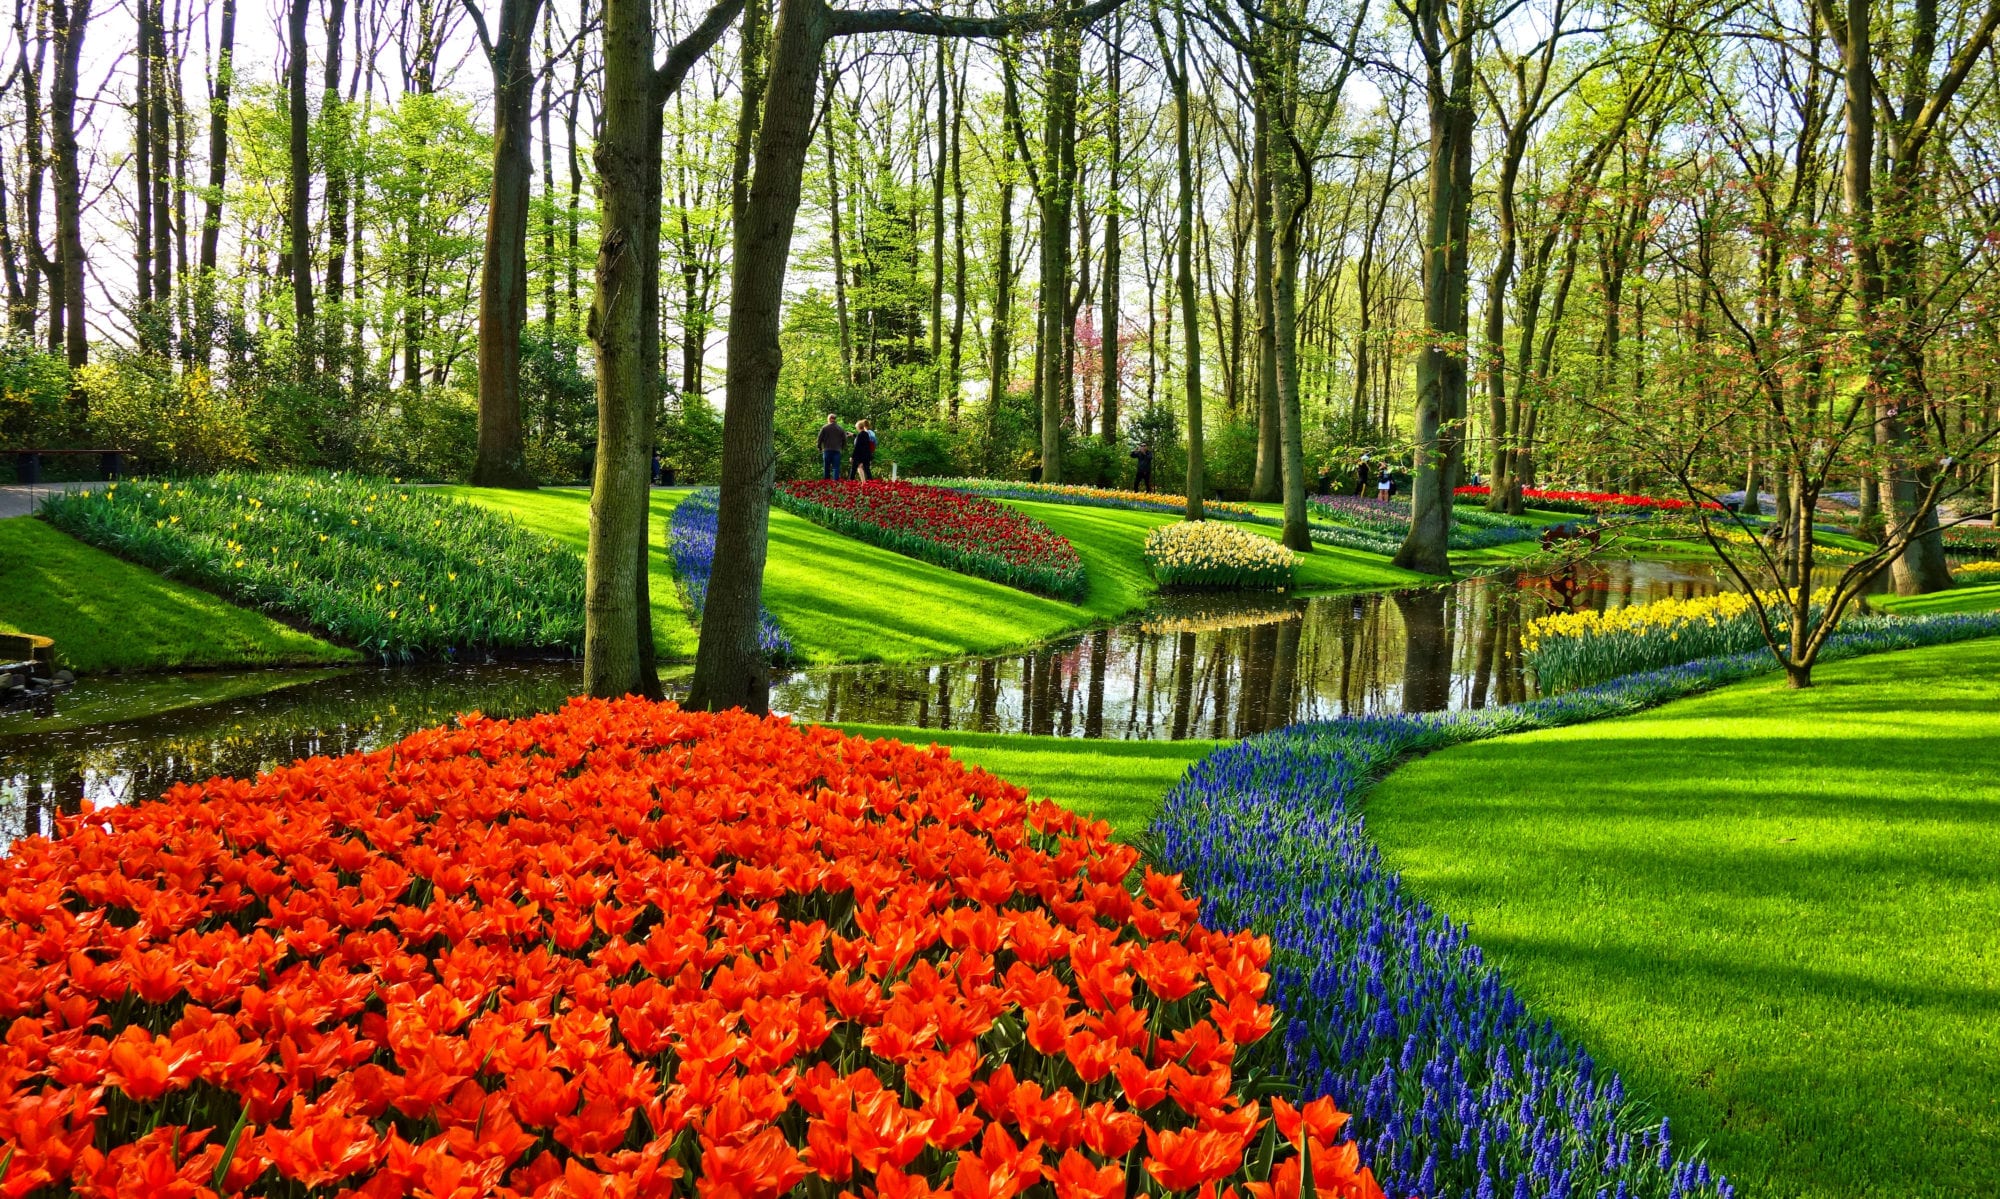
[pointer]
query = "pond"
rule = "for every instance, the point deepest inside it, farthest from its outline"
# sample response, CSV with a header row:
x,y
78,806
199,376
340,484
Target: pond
x,y
1210,666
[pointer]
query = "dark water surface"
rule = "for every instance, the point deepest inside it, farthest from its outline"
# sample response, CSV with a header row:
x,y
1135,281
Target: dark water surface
x,y
1209,666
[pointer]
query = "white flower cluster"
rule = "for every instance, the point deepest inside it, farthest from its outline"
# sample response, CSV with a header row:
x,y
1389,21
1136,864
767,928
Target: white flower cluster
x,y
1214,554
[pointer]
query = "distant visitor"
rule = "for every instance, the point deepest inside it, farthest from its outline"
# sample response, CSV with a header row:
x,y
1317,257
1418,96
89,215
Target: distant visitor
x,y
1142,468
832,442
864,450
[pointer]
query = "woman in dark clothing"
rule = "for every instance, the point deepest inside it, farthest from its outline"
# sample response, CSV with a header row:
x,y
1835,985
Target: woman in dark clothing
x,y
864,450
1364,474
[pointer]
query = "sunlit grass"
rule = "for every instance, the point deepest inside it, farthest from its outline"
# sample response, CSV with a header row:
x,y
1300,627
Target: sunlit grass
x,y
1772,911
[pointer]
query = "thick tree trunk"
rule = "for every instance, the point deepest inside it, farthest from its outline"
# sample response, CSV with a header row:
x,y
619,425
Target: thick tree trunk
x,y
298,212
67,24
611,651
731,669
1441,363
1288,193
940,153
503,272
955,369
1057,183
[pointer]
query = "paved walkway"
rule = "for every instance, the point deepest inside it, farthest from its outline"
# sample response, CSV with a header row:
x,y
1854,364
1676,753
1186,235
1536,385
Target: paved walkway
x,y
17,499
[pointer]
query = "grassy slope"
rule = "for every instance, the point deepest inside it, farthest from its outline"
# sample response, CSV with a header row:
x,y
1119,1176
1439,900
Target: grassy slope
x,y
843,601
107,614
1972,597
1120,782
1773,912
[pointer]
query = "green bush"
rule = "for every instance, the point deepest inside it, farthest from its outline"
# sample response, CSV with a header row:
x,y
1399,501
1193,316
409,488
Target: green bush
x,y
180,423
395,570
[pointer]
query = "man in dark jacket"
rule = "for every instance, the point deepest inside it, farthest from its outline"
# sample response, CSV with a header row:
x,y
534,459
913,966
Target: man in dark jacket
x,y
832,441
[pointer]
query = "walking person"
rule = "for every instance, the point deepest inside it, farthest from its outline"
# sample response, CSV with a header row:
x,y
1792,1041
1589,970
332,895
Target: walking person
x,y
832,443
1362,474
1385,484
864,450
1142,468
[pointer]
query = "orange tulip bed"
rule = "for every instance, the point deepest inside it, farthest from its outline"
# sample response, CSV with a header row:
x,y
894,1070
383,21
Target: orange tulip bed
x,y
625,950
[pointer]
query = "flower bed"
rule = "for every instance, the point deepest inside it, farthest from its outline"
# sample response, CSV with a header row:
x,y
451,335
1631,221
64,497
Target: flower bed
x,y
1390,1009
1384,526
691,542
1972,539
1584,502
1203,553
966,533
628,950
399,571
1100,497
1575,649
1981,570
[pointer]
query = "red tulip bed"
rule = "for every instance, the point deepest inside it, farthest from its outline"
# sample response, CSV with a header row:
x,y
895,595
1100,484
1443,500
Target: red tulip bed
x,y
623,950
1588,503
966,533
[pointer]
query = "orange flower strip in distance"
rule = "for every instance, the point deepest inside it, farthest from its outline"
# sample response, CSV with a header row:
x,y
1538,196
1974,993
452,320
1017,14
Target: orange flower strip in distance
x,y
628,951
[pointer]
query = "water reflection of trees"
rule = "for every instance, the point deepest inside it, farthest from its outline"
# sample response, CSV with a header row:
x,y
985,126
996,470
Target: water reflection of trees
x,y
1190,672
63,772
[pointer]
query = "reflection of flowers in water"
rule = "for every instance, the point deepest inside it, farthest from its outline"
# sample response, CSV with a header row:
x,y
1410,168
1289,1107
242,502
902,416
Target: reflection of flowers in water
x,y
1213,622
1171,613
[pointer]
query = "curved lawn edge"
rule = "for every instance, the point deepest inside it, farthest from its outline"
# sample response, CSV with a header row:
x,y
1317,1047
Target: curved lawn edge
x,y
1390,1008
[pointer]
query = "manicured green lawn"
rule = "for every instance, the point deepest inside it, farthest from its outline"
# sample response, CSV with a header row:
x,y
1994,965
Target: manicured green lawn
x,y
1119,782
1776,913
840,600
107,614
1978,597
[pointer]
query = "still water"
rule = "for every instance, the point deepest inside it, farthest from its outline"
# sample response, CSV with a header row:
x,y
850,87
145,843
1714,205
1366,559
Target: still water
x,y
1214,666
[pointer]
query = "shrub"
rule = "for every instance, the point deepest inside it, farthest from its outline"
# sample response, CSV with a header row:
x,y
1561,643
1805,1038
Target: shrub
x,y
181,423
1390,1009
965,533
691,542
1204,553
594,951
396,570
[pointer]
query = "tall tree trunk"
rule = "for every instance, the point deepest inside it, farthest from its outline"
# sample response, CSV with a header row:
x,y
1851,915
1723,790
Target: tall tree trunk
x,y
611,650
298,218
1184,259
503,271
1058,181
939,155
142,156
731,669
955,371
218,174
1441,363
334,117
833,217
1264,484
549,272
68,22
1114,203
1290,193
998,342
